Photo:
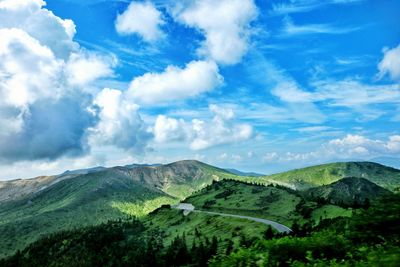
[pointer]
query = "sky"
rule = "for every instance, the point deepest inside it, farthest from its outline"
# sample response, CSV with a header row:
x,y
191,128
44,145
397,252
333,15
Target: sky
x,y
255,85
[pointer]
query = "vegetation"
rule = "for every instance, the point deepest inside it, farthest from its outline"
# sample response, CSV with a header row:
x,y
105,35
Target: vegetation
x,y
368,238
92,198
272,202
89,199
347,192
305,178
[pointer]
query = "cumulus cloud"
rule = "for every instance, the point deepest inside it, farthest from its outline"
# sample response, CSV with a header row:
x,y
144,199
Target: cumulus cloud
x,y
45,110
49,30
390,63
176,83
169,129
84,68
51,128
351,146
28,70
141,18
201,134
225,24
120,123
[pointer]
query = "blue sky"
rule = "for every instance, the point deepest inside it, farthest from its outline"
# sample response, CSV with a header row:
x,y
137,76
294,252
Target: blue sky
x,y
260,86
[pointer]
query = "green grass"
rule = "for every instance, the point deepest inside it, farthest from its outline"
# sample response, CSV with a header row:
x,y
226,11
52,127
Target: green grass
x,y
87,200
330,211
143,208
268,202
174,223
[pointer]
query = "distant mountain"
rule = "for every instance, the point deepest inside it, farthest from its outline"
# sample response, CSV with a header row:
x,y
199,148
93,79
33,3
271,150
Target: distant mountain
x,y
84,171
347,191
305,178
240,173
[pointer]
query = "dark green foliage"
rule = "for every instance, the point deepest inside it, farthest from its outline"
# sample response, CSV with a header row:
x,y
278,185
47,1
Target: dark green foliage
x,y
347,192
304,209
269,234
226,193
209,203
117,243
369,238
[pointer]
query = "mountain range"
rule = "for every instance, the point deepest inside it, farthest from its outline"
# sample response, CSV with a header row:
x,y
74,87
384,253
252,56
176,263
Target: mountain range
x,y
39,206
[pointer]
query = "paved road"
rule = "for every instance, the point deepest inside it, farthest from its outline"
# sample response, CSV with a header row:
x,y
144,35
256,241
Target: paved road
x,y
187,208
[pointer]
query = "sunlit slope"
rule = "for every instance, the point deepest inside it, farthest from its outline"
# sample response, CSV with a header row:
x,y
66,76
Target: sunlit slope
x,y
279,204
304,178
95,197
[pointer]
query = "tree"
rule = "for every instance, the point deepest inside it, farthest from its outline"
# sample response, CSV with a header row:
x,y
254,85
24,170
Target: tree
x,y
268,234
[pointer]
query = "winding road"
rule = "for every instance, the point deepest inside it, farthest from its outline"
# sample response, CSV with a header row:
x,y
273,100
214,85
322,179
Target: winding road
x,y
187,208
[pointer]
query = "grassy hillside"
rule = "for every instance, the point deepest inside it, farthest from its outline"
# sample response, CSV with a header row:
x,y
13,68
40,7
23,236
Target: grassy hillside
x,y
90,198
368,238
86,200
280,204
83,198
304,178
347,191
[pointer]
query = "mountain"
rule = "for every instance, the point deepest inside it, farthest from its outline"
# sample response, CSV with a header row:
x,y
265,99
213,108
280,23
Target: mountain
x,y
347,191
85,171
240,173
43,205
35,207
305,178
167,237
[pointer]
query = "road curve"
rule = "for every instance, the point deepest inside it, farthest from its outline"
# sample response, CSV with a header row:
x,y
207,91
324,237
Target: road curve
x,y
187,208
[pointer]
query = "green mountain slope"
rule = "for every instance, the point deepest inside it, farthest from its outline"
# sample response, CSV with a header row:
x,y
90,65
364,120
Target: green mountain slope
x,y
276,203
168,238
347,191
90,198
34,207
305,178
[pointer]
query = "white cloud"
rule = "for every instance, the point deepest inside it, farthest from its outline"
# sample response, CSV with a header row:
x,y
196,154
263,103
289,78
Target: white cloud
x,y
289,91
353,93
353,145
312,129
390,63
28,70
201,134
289,28
84,68
176,83
349,147
225,24
221,130
356,146
120,123
169,129
41,24
141,18
300,6
44,107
